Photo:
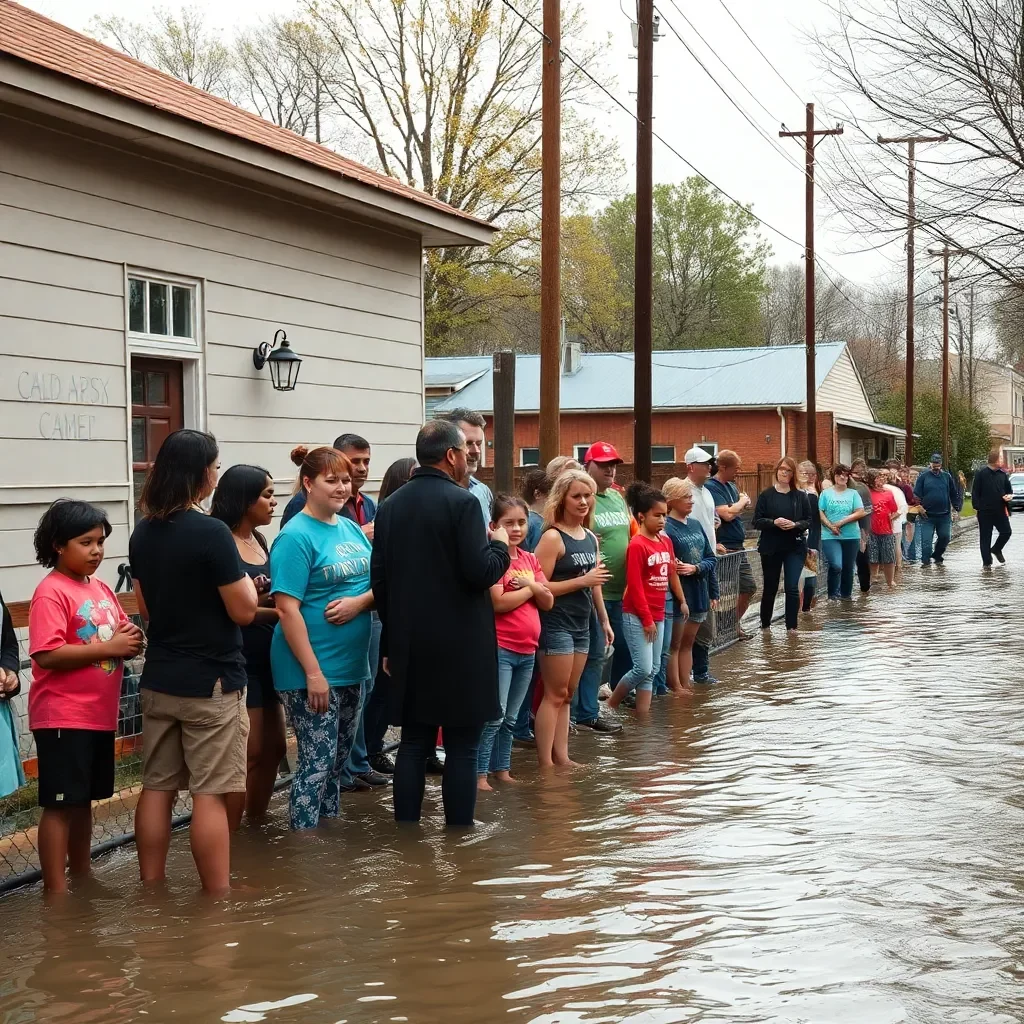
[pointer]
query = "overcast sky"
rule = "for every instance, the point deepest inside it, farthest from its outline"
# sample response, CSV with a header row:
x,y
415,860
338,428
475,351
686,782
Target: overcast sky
x,y
690,111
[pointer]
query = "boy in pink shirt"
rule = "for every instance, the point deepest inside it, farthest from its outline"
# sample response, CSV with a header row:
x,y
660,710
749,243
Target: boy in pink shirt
x,y
78,635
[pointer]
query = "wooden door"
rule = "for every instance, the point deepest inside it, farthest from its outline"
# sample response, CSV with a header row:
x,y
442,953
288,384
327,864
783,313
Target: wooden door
x,y
157,410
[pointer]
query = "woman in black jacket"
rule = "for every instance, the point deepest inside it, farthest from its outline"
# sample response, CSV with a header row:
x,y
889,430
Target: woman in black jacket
x,y
782,514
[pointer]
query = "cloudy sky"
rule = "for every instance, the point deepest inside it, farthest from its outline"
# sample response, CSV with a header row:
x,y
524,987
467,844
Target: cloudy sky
x,y
691,112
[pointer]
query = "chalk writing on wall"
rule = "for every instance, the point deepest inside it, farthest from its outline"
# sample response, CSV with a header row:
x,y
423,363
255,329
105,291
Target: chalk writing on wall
x,y
66,389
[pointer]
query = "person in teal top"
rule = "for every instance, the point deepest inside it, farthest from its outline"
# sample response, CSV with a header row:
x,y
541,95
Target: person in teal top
x,y
840,508
320,573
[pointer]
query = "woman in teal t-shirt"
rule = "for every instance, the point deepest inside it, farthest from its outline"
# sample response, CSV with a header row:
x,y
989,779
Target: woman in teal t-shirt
x,y
320,568
840,508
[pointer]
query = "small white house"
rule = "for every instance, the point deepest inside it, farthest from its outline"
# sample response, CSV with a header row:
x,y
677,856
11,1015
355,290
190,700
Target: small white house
x,y
151,237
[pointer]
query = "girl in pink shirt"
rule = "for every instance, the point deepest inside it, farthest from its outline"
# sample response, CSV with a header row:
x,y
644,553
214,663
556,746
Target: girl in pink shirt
x,y
78,635
517,601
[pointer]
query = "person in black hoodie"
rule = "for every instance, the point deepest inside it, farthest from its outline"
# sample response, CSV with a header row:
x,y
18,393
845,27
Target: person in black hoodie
x,y
990,494
782,514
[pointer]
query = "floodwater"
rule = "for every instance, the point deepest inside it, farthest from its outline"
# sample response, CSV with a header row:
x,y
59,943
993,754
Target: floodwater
x,y
833,834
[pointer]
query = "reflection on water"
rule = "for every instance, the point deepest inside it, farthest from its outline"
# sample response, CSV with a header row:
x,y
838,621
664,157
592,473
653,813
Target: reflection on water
x,y
834,834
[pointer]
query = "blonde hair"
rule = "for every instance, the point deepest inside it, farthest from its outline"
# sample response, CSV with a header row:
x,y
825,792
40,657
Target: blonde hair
x,y
559,464
554,508
676,487
803,469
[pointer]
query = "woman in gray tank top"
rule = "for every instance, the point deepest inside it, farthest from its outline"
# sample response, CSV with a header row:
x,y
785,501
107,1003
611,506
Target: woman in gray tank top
x,y
568,554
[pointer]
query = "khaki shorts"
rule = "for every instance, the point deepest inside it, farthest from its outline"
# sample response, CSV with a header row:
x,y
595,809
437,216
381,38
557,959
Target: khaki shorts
x,y
194,743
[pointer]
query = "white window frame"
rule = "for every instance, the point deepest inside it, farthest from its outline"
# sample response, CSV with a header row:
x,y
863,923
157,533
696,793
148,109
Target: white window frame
x,y
165,342
578,451
663,462
190,352
522,456
706,445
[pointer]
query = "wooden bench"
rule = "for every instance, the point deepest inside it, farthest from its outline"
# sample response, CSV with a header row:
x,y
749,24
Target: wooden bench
x,y
19,609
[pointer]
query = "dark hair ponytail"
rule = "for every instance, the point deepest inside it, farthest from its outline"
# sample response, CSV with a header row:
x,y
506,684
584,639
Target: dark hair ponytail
x,y
642,497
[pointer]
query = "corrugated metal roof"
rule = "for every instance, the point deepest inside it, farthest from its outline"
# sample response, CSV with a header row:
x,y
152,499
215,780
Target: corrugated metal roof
x,y
708,378
451,371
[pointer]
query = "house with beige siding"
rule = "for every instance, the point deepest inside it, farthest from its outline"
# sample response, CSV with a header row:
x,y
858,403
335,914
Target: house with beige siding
x,y
151,236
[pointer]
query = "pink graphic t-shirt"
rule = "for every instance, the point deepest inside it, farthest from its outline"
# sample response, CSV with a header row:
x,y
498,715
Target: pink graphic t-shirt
x,y
64,611
519,630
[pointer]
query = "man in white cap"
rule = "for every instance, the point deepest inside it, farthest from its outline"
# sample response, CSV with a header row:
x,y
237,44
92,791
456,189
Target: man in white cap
x,y
698,470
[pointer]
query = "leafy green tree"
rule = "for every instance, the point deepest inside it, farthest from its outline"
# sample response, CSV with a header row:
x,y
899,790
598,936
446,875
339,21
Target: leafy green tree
x,y
968,428
710,265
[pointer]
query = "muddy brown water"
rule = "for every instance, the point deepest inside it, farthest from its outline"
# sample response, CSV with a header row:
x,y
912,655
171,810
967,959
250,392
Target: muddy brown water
x,y
832,834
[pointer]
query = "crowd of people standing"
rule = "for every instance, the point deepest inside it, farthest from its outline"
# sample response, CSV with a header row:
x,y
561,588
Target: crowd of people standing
x,y
474,622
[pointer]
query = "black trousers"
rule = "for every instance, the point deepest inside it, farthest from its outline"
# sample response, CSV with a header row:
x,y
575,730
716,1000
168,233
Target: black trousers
x,y
986,522
863,569
458,784
774,566
375,714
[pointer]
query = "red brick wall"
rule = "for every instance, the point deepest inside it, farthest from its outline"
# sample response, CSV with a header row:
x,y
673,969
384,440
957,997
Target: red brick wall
x,y
796,437
754,434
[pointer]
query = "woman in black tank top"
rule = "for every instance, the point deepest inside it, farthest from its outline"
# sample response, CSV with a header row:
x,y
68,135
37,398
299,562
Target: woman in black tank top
x,y
568,554
244,499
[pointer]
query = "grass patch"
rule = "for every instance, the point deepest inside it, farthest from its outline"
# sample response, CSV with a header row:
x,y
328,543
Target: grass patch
x,y
967,510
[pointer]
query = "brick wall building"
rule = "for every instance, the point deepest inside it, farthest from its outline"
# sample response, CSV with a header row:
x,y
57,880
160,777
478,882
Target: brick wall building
x,y
751,400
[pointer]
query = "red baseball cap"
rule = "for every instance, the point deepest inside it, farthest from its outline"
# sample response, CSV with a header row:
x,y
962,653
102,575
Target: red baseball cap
x,y
601,451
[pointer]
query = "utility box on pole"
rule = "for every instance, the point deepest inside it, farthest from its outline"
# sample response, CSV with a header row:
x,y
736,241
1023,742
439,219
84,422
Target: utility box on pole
x,y
504,430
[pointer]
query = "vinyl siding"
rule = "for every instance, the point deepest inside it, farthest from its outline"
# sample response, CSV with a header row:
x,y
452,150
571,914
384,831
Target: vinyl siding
x,y
841,392
74,216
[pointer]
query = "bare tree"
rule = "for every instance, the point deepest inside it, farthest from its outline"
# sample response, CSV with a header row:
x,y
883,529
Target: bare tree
x,y
446,97
934,66
180,44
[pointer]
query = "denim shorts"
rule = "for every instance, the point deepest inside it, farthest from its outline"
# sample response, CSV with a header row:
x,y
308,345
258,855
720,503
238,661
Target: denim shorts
x,y
560,640
697,617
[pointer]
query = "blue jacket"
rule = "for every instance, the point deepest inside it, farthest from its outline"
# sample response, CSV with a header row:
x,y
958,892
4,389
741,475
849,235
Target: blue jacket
x,y
937,492
691,545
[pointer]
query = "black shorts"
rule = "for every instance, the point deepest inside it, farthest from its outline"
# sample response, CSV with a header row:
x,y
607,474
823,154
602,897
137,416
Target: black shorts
x,y
76,766
260,692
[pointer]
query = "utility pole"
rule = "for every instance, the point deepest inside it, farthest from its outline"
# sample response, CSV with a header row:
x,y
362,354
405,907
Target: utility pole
x,y
945,253
504,406
550,234
808,135
644,258
911,141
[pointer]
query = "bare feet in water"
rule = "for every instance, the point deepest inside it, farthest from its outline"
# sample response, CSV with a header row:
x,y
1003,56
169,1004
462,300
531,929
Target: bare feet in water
x,y
504,777
482,785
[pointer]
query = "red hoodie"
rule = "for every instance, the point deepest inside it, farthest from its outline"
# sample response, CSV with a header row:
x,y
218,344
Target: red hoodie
x,y
648,563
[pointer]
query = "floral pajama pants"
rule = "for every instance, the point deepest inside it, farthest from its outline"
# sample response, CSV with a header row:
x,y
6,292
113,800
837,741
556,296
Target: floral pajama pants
x,y
324,744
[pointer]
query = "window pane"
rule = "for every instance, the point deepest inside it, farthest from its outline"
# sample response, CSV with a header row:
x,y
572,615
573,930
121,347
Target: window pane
x,y
138,439
138,394
156,388
157,308
136,305
529,456
663,453
139,480
182,312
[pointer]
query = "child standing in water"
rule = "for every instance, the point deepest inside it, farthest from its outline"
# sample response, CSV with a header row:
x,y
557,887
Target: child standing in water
x,y
518,598
650,574
78,635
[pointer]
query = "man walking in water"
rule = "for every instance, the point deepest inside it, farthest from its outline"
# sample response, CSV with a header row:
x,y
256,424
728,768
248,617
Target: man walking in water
x,y
431,571
990,494
939,495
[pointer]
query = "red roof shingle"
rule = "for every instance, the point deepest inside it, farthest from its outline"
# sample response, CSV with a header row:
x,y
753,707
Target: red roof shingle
x,y
38,40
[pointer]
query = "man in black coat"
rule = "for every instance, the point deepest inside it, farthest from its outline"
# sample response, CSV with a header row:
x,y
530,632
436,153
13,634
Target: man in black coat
x,y
432,569
990,494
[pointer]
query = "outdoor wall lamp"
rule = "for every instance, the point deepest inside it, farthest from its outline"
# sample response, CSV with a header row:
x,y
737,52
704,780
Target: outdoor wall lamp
x,y
284,362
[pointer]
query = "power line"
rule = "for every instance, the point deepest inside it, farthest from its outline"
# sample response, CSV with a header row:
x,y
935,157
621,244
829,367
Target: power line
x,y
782,77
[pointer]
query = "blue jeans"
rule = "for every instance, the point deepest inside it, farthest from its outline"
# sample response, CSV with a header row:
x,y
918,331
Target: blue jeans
x,y
585,707
514,674
358,762
912,548
934,530
661,675
842,564
642,653
324,744
522,730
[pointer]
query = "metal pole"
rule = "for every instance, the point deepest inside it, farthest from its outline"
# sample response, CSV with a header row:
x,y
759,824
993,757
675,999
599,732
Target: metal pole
x,y
945,357
504,386
643,263
809,307
550,232
908,416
